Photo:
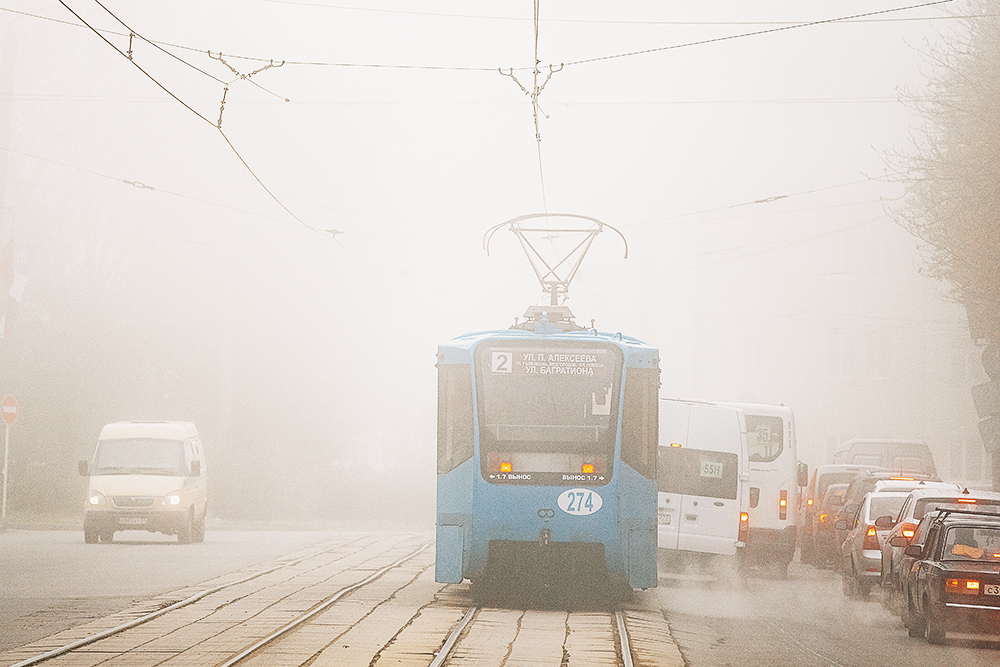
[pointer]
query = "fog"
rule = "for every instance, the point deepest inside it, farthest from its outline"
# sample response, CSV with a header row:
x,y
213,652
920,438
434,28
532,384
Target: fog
x,y
163,278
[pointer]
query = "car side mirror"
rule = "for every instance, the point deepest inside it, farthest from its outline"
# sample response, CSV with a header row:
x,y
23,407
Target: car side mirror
x,y
884,522
850,509
899,541
84,468
837,501
802,474
196,468
913,550
841,525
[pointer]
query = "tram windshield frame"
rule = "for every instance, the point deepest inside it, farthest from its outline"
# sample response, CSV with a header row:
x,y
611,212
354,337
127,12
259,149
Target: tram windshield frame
x,y
548,411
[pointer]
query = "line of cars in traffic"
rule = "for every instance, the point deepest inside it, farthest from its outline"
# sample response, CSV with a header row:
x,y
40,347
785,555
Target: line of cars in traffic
x,y
932,547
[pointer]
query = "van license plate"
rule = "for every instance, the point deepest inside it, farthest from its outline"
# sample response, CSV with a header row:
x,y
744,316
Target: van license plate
x,y
133,520
991,590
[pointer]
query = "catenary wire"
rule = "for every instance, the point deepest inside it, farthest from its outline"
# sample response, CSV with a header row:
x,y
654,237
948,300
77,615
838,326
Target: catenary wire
x,y
782,26
155,45
590,21
751,34
762,200
192,110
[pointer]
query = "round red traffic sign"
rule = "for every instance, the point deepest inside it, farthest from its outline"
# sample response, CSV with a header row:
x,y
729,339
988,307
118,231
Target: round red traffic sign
x,y
9,408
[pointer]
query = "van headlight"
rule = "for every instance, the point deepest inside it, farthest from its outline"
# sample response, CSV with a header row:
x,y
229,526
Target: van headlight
x,y
172,499
96,498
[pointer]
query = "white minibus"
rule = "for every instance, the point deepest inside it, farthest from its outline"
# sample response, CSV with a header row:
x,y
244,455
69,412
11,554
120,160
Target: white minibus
x,y
775,478
702,482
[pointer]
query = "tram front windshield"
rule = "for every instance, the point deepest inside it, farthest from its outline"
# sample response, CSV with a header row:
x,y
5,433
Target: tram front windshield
x,y
548,413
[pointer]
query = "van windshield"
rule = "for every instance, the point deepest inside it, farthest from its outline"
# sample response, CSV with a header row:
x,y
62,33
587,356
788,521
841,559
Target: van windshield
x,y
139,456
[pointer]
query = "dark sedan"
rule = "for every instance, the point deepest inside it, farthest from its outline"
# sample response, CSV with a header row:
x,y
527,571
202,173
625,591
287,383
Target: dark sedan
x,y
955,582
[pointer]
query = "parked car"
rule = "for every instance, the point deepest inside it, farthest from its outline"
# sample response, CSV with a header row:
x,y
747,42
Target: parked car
x,y
904,526
822,477
861,551
955,582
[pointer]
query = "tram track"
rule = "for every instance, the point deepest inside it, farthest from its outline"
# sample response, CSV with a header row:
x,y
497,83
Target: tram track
x,y
367,603
538,637
317,569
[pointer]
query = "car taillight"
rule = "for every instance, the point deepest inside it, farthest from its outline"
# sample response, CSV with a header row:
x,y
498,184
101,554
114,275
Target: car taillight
x,y
969,501
907,530
964,586
871,539
822,517
809,502
783,505
744,527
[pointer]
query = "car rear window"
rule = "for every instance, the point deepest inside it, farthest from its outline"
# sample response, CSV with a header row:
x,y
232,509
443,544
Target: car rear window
x,y
885,506
972,543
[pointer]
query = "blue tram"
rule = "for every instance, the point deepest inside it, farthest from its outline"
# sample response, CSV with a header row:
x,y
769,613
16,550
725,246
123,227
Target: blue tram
x,y
547,437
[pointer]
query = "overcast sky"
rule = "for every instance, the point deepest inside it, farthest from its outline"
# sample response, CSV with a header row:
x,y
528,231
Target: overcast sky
x,y
405,128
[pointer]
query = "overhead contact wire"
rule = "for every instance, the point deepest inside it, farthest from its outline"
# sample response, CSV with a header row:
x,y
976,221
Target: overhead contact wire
x,y
754,34
534,104
217,126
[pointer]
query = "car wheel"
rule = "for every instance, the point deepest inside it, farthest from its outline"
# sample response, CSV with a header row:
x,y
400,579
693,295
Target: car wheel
x,y
108,536
184,530
862,588
915,624
935,628
198,530
849,586
886,596
89,535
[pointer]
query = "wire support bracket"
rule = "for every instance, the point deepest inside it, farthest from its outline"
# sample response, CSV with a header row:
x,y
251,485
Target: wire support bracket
x,y
535,92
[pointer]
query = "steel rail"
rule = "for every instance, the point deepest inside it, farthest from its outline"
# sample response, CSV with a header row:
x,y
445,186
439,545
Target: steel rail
x,y
104,634
623,639
449,643
322,606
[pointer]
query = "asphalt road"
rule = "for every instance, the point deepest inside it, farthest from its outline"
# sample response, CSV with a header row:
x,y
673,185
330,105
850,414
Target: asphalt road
x,y
804,620
52,580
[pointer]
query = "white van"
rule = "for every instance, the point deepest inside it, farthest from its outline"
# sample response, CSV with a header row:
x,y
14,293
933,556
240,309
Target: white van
x,y
146,476
775,478
702,470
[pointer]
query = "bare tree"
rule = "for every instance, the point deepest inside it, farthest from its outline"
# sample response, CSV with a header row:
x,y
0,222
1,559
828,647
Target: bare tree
x,y
952,176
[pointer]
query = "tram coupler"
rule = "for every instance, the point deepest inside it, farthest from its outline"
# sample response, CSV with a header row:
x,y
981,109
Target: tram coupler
x,y
545,537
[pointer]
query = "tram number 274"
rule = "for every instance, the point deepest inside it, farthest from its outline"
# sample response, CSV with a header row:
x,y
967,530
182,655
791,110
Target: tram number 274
x,y
580,502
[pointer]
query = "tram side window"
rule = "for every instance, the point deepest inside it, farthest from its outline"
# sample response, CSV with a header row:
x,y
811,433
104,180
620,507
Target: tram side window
x,y
640,429
455,429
